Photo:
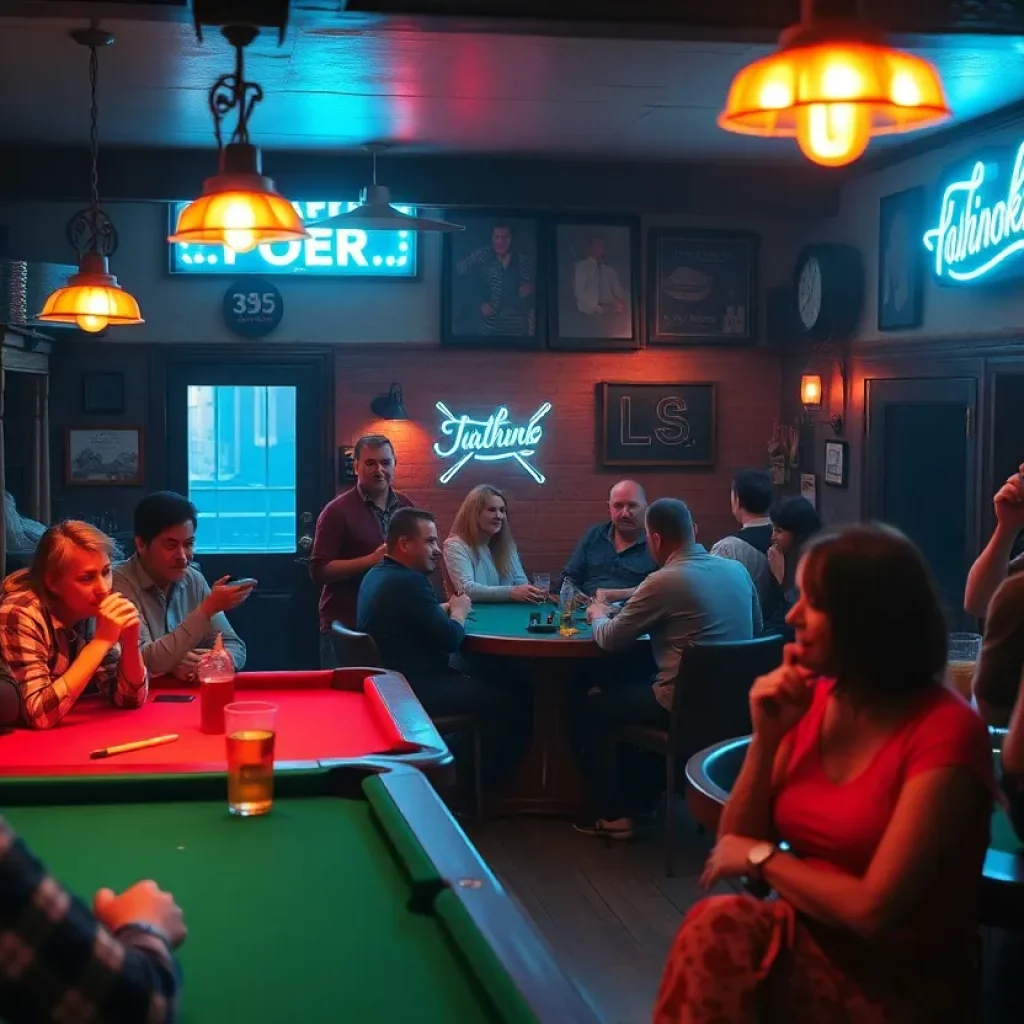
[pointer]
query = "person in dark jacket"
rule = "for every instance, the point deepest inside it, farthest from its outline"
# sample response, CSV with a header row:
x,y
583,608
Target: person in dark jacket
x,y
794,522
417,635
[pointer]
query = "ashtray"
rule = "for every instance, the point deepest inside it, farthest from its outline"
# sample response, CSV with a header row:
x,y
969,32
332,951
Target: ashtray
x,y
542,627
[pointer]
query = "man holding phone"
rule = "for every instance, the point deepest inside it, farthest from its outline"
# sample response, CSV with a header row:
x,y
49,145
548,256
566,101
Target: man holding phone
x,y
181,614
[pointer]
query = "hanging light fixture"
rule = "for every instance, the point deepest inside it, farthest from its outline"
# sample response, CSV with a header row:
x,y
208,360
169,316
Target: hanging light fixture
x,y
833,85
92,298
239,207
375,212
389,406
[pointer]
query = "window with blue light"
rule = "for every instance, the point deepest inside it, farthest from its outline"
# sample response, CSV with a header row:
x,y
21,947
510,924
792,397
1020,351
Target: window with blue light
x,y
241,468
329,252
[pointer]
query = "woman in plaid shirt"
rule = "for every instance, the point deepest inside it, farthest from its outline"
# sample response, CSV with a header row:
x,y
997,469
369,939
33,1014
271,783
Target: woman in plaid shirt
x,y
62,631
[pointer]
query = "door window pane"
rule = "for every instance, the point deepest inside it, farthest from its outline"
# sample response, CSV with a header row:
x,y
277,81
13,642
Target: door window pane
x,y
241,468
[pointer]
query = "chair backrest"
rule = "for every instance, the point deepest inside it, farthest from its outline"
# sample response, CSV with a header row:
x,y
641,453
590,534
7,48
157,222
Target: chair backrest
x,y
712,690
352,648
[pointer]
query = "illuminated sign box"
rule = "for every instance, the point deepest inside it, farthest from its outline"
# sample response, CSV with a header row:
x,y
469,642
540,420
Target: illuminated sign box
x,y
976,224
330,252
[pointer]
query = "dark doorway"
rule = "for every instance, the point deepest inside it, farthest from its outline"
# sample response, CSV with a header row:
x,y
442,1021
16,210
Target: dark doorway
x,y
922,474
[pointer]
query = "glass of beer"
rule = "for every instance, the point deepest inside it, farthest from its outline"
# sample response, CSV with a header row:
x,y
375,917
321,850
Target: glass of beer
x,y
964,649
542,581
250,727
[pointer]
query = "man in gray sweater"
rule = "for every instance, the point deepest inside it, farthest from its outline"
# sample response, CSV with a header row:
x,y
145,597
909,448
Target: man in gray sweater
x,y
693,596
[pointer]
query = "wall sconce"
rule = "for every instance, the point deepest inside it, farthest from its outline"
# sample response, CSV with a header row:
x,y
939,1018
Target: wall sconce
x,y
810,391
389,406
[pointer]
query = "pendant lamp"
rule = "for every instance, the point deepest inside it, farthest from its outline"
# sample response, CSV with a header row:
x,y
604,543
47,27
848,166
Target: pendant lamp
x,y
375,212
239,207
92,298
833,86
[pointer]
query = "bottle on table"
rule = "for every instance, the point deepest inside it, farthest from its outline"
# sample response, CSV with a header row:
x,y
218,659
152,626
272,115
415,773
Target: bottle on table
x,y
216,674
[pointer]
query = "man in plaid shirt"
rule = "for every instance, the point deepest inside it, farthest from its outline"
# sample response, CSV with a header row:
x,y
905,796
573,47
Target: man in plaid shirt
x,y
63,633
60,963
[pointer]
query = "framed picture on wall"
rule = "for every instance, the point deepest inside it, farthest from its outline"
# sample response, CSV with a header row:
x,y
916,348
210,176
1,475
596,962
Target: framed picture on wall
x,y
98,456
595,290
702,287
493,293
837,461
901,260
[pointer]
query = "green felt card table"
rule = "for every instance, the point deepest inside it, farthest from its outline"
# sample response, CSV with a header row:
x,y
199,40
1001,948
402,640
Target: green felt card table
x,y
548,781
358,898
711,773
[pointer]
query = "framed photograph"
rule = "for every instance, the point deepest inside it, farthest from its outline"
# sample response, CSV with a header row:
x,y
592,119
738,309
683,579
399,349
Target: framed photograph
x,y
702,287
595,291
657,424
98,456
836,463
493,293
901,260
103,393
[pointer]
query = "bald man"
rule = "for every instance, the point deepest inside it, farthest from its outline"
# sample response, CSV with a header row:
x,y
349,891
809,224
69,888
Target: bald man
x,y
612,559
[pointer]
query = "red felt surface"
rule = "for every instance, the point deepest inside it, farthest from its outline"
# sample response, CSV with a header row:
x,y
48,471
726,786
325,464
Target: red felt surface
x,y
313,724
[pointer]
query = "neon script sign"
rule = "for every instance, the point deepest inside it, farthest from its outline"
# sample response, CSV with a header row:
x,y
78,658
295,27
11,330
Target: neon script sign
x,y
980,225
491,440
328,252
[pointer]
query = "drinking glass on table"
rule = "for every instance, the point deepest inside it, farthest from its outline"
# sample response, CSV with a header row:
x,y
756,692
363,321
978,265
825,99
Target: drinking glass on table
x,y
542,581
964,651
250,727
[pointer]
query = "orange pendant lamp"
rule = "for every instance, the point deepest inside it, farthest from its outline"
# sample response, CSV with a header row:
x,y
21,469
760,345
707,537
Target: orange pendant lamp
x,y
92,298
239,207
833,85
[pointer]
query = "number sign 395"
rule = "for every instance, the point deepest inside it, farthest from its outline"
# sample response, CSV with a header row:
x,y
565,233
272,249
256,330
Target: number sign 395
x,y
253,307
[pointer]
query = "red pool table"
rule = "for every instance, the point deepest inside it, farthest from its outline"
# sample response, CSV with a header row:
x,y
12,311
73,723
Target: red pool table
x,y
323,717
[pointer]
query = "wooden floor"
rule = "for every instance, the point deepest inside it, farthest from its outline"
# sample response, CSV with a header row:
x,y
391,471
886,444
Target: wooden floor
x,y
606,908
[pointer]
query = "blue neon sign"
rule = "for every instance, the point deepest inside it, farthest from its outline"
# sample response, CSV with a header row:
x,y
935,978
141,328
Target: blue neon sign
x,y
330,252
979,233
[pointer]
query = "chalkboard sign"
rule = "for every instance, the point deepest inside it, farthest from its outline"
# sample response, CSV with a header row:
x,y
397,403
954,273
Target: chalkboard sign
x,y
657,424
253,307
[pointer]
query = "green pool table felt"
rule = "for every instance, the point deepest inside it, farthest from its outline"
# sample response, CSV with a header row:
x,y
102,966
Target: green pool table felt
x,y
511,620
300,915
1004,838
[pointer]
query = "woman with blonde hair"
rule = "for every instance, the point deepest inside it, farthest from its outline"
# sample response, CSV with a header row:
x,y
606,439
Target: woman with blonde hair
x,y
63,633
480,556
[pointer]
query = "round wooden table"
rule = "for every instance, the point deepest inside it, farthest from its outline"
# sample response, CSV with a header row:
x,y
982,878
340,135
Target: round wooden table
x,y
548,781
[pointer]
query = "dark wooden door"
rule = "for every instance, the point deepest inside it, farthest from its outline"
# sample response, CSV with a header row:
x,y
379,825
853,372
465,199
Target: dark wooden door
x,y
922,473
247,443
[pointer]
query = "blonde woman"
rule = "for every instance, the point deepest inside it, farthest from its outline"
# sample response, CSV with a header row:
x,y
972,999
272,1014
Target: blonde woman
x,y
480,555
63,632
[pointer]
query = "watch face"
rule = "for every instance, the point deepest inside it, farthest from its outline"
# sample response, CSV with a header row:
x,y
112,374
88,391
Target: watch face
x,y
808,294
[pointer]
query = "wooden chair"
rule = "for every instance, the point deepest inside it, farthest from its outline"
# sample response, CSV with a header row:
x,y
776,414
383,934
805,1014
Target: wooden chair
x,y
710,705
352,648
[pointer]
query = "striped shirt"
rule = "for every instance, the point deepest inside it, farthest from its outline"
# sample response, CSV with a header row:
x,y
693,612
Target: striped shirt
x,y
37,650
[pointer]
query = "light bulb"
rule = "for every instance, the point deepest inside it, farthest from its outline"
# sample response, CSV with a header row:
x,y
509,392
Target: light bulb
x,y
833,134
239,220
91,323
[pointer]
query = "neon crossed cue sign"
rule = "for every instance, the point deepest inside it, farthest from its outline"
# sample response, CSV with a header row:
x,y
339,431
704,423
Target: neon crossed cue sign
x,y
491,440
974,235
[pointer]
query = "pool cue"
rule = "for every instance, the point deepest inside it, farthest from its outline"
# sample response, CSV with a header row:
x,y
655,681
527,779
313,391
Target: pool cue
x,y
125,748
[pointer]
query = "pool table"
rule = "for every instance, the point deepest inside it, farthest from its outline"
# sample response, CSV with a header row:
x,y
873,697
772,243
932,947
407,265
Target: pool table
x,y
357,898
323,716
548,781
710,775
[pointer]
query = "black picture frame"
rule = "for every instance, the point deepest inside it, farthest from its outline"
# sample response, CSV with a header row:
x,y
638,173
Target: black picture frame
x,y
901,256
702,287
641,431
103,393
578,319
462,323
837,464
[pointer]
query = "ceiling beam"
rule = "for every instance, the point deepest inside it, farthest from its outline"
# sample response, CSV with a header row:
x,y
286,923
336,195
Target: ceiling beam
x,y
61,174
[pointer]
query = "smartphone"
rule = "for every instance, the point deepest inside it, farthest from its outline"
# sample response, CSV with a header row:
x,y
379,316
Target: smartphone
x,y
241,581
174,698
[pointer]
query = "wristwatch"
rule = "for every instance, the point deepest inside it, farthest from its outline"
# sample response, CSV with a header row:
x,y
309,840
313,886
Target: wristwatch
x,y
758,856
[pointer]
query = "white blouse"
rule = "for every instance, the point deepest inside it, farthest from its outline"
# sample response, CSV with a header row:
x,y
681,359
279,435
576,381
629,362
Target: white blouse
x,y
472,571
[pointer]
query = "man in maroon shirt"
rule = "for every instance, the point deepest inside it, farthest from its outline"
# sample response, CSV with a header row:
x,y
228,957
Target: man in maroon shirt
x,y
350,536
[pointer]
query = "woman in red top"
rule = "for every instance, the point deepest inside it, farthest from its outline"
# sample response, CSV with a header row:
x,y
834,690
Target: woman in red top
x,y
879,779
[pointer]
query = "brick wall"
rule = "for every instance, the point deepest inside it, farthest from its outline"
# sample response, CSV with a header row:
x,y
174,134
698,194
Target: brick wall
x,y
547,519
